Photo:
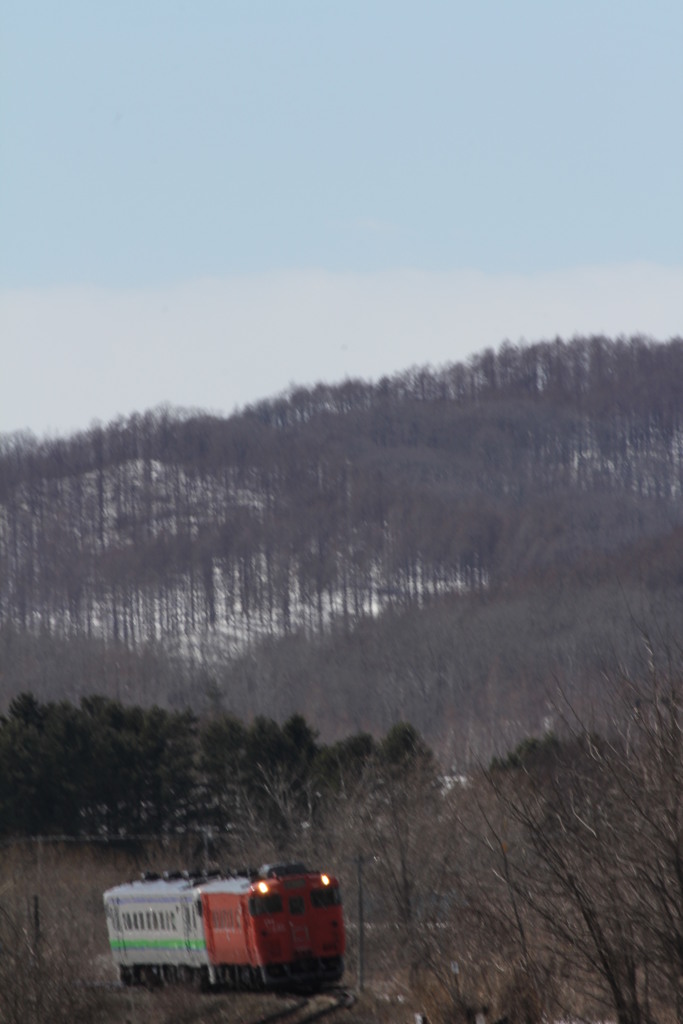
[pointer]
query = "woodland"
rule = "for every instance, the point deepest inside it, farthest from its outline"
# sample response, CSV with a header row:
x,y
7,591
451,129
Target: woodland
x,y
545,886
424,632
453,547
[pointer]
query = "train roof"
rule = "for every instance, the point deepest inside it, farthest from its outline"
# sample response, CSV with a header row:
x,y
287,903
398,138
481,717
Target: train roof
x,y
144,887
174,886
181,883
233,886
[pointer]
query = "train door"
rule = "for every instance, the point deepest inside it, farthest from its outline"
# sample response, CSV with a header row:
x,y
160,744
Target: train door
x,y
301,939
116,932
187,925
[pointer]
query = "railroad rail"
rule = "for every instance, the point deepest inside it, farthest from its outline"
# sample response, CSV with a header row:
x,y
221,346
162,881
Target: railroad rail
x,y
310,1008
290,1008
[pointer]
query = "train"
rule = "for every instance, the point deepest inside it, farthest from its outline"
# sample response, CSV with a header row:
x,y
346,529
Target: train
x,y
280,926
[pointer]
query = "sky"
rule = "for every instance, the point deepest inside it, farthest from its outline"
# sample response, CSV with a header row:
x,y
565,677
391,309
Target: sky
x,y
205,203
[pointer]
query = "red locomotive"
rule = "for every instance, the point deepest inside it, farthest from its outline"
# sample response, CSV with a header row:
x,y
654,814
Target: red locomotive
x,y
281,926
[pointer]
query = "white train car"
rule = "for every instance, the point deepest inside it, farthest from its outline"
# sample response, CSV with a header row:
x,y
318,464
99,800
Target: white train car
x,y
156,931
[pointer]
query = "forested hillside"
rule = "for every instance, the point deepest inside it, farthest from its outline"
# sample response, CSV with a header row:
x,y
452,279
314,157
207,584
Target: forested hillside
x,y
448,546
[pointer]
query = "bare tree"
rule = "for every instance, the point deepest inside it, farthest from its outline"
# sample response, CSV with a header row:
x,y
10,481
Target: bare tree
x,y
590,845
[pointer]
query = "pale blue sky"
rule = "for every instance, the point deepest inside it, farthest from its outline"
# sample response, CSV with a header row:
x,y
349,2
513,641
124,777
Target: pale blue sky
x,y
294,191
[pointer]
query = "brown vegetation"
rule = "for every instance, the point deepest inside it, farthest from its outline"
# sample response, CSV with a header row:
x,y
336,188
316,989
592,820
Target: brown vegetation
x,y
546,887
479,550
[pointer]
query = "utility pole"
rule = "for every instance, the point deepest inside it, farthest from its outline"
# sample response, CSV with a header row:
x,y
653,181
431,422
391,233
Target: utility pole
x,y
206,833
36,921
361,936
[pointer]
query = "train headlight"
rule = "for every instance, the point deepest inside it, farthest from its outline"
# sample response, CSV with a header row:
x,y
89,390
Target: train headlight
x,y
325,879
262,887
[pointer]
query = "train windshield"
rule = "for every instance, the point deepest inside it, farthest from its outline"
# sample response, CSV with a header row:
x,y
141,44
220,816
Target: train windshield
x,y
270,904
329,897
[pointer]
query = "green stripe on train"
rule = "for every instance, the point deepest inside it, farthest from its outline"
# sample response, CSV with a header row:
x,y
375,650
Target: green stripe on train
x,y
158,944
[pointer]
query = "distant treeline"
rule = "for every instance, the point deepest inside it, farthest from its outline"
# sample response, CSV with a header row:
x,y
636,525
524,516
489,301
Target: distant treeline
x,y
329,504
102,769
448,546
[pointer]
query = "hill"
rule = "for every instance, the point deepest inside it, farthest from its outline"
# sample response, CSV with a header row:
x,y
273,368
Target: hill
x,y
448,546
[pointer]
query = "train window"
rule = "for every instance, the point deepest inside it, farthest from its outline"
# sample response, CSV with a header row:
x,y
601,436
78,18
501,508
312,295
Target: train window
x,y
296,905
270,904
199,907
149,920
155,920
329,897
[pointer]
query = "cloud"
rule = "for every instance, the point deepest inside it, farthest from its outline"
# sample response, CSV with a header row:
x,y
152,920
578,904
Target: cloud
x,y
74,355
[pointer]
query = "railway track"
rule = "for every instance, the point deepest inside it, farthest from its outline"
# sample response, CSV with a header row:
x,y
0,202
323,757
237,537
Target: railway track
x,y
161,1006
310,1008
